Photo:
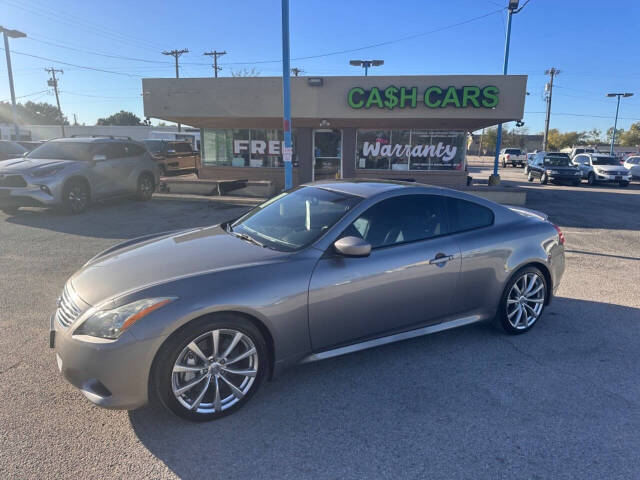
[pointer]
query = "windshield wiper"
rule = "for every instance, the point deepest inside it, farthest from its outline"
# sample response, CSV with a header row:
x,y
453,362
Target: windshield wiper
x,y
247,238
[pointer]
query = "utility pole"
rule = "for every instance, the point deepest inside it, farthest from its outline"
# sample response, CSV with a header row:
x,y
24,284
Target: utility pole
x,y
215,54
296,71
6,33
552,72
176,54
53,82
286,98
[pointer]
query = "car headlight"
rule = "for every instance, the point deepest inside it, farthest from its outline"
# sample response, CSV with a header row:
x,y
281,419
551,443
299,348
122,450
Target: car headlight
x,y
598,171
46,172
551,172
112,323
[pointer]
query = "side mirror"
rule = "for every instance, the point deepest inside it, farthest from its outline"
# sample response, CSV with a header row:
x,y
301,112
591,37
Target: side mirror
x,y
352,247
24,154
99,158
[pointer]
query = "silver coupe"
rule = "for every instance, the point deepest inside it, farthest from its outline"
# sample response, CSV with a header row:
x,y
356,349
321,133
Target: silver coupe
x,y
199,318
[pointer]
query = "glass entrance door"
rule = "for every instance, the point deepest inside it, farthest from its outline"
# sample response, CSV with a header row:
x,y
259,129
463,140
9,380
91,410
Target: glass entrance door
x,y
327,154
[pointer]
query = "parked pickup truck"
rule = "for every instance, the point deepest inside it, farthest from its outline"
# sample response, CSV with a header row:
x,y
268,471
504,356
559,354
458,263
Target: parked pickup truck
x,y
513,156
174,156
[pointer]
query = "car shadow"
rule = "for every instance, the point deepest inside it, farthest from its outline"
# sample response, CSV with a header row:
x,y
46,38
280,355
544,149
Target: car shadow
x,y
124,218
456,401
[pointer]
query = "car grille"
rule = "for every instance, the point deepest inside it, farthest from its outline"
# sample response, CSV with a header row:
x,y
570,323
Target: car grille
x,y
12,181
68,311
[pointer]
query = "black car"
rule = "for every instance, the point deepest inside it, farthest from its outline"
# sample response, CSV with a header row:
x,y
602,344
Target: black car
x,y
554,168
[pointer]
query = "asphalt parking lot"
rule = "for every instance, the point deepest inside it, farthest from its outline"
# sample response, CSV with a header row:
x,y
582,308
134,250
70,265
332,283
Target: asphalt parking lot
x,y
559,402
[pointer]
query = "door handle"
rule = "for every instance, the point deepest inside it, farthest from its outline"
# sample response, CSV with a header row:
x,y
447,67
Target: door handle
x,y
440,258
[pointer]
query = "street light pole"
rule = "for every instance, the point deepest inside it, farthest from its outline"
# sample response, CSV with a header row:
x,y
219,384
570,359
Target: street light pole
x,y
494,179
6,33
366,64
286,98
615,124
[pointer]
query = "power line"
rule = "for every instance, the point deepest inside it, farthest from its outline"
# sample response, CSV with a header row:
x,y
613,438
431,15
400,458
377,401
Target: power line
x,y
380,44
589,115
27,95
84,67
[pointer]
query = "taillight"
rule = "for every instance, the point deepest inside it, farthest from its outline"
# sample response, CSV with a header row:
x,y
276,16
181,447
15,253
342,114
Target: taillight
x,y
508,156
560,234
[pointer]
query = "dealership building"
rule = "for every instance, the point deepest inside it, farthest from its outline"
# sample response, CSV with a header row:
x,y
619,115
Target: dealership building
x,y
386,127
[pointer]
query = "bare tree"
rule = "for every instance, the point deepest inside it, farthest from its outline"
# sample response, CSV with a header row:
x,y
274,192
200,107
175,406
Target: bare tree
x,y
245,72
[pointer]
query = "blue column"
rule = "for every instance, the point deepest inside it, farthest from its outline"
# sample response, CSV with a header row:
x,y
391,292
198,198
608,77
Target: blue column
x,y
504,72
286,98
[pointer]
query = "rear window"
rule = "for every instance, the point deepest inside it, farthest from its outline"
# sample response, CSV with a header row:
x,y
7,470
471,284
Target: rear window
x,y
553,161
512,151
467,215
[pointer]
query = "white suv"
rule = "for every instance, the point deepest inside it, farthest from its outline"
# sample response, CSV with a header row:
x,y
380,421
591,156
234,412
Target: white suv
x,y
598,167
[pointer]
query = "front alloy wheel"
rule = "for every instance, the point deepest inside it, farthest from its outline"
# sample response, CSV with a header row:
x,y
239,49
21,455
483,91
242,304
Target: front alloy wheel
x,y
76,197
214,370
523,300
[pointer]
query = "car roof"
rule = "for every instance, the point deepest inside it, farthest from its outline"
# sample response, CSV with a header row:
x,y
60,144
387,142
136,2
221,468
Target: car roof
x,y
90,139
364,187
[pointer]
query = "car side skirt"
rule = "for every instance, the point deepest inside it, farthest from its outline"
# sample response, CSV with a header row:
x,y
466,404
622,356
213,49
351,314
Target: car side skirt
x,y
397,337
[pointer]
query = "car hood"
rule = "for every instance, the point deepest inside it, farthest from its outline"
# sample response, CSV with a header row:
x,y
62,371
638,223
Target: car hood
x,y
138,265
24,165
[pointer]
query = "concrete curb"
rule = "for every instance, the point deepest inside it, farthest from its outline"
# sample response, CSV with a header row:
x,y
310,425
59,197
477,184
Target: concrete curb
x,y
241,201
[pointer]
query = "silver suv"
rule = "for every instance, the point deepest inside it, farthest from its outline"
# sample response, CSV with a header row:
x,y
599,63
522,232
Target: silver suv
x,y
601,168
73,172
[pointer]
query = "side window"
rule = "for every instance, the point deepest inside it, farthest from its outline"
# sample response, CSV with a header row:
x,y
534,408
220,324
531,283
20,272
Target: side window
x,y
112,150
400,220
134,150
182,148
467,215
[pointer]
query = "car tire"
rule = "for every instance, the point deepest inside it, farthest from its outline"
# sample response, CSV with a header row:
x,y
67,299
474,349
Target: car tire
x,y
197,403
504,164
591,178
76,196
544,179
530,305
530,177
623,184
576,183
526,169
146,187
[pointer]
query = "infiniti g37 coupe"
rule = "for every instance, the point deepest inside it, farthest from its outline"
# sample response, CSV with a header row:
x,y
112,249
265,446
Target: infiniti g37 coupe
x,y
197,319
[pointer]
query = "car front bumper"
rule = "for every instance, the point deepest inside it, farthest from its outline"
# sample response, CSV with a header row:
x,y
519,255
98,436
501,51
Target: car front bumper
x,y
612,178
32,195
110,373
565,177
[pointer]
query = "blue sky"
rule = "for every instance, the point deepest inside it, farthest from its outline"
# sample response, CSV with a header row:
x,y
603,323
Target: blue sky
x,y
593,43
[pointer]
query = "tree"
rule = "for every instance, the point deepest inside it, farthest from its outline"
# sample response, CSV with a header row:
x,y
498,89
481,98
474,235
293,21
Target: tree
x,y
32,113
245,72
121,118
619,134
593,136
631,138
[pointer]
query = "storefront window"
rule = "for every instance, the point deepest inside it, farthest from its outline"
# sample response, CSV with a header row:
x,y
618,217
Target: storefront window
x,y
410,150
244,147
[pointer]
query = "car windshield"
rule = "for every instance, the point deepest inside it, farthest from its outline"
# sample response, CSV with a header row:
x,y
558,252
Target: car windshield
x,y
155,146
295,219
78,151
556,161
605,161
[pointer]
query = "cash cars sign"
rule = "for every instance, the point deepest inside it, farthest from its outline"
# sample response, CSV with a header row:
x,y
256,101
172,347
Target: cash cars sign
x,y
393,97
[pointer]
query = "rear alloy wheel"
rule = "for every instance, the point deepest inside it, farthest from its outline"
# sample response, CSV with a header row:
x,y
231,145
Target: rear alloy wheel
x,y
213,370
146,186
591,179
530,176
544,179
523,300
76,197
